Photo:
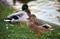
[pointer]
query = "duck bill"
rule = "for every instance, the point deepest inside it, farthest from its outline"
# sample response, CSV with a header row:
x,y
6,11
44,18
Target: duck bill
x,y
29,8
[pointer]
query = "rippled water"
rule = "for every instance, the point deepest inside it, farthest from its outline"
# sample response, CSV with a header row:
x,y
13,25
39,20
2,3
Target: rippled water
x,y
43,9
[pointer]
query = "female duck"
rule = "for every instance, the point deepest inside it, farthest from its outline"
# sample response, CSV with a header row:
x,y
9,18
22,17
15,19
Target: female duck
x,y
38,25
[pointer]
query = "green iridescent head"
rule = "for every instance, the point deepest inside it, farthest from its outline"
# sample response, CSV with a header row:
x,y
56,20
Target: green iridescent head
x,y
25,7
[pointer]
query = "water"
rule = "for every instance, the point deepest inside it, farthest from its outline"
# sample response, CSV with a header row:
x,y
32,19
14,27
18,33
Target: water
x,y
43,9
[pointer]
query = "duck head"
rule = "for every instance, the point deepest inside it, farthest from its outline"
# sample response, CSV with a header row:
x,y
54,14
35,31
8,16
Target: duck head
x,y
26,9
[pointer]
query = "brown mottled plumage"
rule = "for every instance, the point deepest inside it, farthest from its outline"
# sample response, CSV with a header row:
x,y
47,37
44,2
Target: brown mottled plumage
x,y
37,24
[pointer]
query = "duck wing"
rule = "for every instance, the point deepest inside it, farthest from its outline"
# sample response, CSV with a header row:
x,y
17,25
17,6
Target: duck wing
x,y
17,13
39,22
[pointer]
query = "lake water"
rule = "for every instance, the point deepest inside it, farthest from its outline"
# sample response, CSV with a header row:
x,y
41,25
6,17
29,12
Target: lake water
x,y
43,9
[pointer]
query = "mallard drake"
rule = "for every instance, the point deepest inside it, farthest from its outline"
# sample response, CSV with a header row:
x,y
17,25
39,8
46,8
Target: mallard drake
x,y
38,25
26,9
20,15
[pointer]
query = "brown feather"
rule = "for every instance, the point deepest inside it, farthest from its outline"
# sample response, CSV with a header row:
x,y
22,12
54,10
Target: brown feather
x,y
37,24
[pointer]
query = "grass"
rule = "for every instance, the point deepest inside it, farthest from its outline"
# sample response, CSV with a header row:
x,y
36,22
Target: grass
x,y
16,31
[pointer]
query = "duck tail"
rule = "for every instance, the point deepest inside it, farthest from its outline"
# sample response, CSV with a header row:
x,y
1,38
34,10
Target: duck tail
x,y
47,26
7,19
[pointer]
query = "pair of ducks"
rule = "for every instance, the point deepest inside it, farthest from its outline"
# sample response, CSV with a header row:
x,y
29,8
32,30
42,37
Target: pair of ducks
x,y
35,24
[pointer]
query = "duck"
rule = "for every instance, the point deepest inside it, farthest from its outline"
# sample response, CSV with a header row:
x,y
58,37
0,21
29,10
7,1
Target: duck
x,y
38,25
19,16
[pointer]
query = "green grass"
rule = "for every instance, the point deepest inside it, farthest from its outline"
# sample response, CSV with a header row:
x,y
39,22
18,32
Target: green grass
x,y
16,31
